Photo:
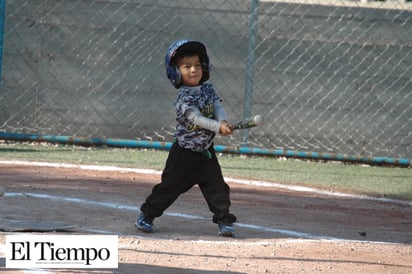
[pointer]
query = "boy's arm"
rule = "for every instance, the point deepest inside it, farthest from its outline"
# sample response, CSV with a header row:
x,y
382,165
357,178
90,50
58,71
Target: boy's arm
x,y
220,115
220,112
222,127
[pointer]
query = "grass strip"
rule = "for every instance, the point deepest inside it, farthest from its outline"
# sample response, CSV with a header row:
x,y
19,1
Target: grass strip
x,y
390,182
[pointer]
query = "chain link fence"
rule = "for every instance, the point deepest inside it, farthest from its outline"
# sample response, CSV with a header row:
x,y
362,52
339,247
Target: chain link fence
x,y
328,76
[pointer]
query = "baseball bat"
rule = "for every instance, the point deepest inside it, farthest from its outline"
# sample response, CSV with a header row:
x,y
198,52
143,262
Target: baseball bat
x,y
249,122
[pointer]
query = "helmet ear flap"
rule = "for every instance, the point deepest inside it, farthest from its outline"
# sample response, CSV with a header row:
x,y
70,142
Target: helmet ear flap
x,y
206,71
174,76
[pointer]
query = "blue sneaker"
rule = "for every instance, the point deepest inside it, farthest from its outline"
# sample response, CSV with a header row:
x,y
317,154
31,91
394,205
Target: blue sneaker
x,y
226,230
145,223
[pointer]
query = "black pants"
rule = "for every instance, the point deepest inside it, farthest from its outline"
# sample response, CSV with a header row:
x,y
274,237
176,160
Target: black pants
x,y
184,169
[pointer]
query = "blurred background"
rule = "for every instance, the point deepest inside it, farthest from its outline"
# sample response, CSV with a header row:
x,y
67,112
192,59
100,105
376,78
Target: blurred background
x,y
328,76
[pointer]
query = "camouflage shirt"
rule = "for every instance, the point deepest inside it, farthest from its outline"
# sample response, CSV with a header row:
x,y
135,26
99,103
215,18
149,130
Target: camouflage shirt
x,y
203,98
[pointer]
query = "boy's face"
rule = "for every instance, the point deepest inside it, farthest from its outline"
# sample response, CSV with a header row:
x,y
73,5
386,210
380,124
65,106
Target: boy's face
x,y
191,70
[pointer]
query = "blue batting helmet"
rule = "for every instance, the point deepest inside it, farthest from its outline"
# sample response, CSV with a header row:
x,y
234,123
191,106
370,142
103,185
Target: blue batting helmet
x,y
172,70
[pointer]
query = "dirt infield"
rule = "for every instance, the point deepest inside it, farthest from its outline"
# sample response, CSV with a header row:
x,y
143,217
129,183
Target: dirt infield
x,y
278,230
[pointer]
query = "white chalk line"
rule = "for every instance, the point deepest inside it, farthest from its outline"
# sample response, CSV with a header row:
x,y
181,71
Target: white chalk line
x,y
136,209
303,237
228,179
78,166
188,216
172,214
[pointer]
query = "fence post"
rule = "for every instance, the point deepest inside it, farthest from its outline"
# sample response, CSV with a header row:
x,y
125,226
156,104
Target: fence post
x,y
2,20
247,103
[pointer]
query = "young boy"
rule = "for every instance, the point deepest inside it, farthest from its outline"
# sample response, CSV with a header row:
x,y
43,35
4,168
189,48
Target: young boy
x,y
192,159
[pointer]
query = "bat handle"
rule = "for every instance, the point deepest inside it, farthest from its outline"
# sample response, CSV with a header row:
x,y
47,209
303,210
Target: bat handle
x,y
235,126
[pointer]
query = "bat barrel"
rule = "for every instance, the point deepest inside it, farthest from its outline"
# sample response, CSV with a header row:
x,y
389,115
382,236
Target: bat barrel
x,y
258,119
249,122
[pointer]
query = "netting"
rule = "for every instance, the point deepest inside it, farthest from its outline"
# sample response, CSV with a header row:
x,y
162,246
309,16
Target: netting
x,y
329,76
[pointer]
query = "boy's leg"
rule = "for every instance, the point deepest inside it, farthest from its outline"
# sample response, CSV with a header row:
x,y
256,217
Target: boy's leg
x,y
216,191
176,179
